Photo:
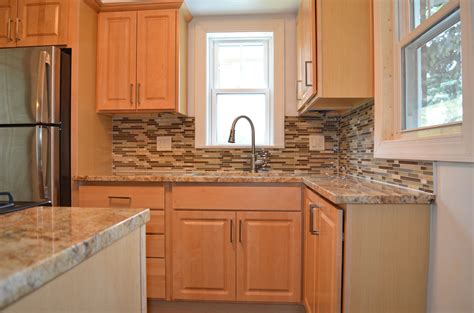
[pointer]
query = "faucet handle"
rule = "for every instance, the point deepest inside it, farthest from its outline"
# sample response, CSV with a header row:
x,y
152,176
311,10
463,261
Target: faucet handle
x,y
263,160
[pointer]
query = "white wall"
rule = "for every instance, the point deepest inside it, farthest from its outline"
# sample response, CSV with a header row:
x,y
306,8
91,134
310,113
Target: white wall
x,y
290,58
451,276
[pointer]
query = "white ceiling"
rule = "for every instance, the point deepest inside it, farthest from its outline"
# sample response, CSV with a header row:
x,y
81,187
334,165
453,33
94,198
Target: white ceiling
x,y
231,7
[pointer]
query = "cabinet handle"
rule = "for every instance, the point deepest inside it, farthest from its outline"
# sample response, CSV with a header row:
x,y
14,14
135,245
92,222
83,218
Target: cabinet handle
x,y
298,89
9,29
306,73
312,228
120,198
138,93
231,231
240,230
131,94
17,30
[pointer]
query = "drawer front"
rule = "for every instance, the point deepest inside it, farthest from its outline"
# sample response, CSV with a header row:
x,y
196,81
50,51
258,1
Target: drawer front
x,y
156,225
256,197
122,196
155,246
156,278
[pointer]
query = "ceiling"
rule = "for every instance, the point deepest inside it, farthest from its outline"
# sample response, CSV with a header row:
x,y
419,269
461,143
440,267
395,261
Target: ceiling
x,y
234,7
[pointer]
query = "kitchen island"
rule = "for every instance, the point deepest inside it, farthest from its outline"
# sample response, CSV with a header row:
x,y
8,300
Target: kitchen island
x,y
59,259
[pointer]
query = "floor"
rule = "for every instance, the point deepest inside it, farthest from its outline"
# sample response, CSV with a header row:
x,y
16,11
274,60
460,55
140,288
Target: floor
x,y
209,307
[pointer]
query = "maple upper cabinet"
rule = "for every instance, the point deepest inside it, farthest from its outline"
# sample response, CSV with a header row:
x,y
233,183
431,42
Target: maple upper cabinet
x,y
140,61
33,22
335,54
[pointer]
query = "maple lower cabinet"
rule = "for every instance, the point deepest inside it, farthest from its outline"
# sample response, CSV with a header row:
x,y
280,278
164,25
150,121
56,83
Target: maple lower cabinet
x,y
140,61
269,256
237,256
26,23
203,255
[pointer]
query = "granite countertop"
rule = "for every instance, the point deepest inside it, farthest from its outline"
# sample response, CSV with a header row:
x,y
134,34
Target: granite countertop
x,y
41,243
338,189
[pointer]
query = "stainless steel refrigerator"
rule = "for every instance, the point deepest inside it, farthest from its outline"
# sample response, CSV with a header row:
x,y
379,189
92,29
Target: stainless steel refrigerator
x,y
35,125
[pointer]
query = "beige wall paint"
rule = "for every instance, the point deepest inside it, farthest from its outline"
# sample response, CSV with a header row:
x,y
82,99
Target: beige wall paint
x,y
451,276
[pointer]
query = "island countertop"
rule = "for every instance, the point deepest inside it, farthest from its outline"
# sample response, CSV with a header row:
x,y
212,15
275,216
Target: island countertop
x,y
339,189
39,244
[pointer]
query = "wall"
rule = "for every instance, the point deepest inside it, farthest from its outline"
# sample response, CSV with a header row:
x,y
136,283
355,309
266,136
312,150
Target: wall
x,y
451,276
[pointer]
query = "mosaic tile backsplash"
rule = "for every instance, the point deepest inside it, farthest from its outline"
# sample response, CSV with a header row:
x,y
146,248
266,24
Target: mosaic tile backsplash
x,y
349,148
356,137
134,147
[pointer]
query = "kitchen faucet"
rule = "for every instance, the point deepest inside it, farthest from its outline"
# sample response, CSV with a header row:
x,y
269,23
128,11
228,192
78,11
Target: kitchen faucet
x,y
255,163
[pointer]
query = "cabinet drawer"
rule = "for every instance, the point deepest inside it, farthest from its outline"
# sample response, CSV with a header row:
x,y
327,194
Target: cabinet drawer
x,y
156,225
155,246
155,278
122,196
255,197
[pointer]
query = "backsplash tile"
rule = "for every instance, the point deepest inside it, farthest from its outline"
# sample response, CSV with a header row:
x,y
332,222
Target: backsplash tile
x,y
356,135
134,149
134,146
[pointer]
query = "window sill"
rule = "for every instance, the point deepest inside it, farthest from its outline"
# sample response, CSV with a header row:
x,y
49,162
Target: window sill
x,y
226,147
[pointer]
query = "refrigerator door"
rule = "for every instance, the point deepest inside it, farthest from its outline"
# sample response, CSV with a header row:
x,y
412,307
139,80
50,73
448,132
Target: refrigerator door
x,y
28,80
26,157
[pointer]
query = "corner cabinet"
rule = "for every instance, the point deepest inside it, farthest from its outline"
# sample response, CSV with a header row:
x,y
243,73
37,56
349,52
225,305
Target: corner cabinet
x,y
139,61
26,23
334,54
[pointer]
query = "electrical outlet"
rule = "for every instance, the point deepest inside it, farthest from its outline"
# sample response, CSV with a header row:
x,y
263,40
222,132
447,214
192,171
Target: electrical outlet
x,y
163,144
316,143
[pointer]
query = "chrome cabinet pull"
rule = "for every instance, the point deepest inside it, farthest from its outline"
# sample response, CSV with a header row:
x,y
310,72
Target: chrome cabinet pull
x,y
17,31
9,29
306,73
312,228
131,94
240,231
231,231
138,93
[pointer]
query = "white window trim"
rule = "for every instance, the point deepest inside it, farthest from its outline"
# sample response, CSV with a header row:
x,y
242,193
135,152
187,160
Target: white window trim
x,y
445,143
199,70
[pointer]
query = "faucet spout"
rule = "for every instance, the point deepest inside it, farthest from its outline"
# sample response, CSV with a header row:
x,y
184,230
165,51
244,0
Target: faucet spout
x,y
232,138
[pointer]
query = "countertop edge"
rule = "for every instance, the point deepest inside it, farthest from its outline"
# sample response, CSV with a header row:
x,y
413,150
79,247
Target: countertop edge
x,y
22,283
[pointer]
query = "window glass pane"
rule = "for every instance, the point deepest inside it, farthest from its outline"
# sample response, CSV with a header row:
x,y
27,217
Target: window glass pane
x,y
241,65
230,106
433,86
422,9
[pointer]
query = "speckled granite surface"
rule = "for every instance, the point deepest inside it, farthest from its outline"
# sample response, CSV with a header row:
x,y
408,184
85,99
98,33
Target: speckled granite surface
x,y
337,189
39,244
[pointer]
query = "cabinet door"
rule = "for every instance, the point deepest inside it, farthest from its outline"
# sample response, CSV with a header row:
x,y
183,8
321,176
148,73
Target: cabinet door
x,y
203,255
8,12
326,225
42,22
308,59
269,256
156,60
310,259
116,61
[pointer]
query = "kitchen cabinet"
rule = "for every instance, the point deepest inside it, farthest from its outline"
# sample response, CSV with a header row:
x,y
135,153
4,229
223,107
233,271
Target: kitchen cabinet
x,y
114,195
140,61
33,22
269,256
237,242
203,255
334,54
323,255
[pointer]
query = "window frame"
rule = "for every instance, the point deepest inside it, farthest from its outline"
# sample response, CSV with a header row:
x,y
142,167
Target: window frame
x,y
199,92
213,41
393,31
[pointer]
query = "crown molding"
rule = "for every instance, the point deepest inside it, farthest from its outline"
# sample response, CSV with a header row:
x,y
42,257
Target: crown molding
x,y
132,6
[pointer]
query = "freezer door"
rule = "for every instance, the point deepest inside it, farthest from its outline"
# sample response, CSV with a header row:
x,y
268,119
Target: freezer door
x,y
28,85
26,160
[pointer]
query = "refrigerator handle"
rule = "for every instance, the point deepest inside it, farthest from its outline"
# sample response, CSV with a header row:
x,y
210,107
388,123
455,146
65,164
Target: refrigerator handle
x,y
44,61
39,162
